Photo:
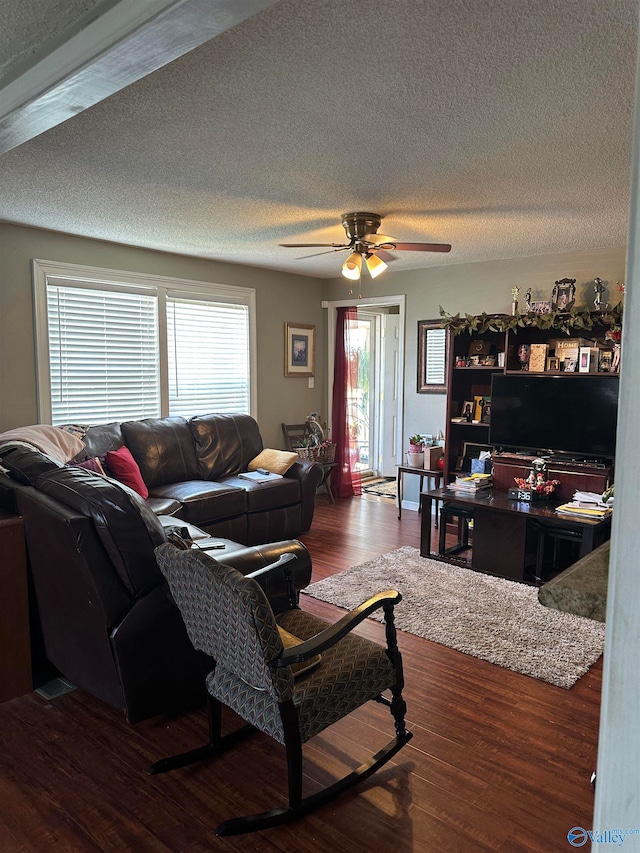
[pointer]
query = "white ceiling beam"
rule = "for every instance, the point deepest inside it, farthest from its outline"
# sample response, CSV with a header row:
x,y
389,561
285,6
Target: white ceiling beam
x,y
127,42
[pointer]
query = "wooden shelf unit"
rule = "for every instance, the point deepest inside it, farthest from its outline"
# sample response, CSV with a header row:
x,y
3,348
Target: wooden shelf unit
x,y
470,381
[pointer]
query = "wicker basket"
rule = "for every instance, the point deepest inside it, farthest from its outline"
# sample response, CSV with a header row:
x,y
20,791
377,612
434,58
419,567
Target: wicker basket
x,y
318,454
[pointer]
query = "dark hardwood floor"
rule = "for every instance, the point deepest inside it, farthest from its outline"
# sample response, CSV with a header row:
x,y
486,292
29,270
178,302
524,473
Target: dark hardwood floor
x,y
498,762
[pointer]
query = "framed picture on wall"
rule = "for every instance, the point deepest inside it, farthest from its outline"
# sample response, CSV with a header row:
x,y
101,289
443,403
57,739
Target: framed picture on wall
x,y
299,349
433,357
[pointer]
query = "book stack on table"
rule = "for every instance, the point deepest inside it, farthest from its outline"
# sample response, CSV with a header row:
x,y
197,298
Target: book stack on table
x,y
586,505
472,484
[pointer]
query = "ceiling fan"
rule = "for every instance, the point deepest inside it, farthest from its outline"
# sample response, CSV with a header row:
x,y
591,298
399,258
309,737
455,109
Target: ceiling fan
x,y
365,244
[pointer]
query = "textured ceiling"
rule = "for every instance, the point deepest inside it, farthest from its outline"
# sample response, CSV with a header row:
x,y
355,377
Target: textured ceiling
x,y
27,27
502,127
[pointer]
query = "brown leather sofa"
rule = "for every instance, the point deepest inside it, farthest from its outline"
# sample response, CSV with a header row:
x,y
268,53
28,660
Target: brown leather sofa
x,y
192,467
99,601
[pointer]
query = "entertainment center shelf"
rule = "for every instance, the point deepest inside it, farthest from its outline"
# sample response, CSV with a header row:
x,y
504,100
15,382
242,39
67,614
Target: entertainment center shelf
x,y
477,357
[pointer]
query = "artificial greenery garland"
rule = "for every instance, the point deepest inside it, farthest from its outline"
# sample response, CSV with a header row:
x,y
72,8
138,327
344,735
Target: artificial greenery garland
x,y
562,321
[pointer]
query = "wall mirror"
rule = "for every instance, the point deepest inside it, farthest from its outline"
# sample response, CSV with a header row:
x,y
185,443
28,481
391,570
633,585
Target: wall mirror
x,y
433,357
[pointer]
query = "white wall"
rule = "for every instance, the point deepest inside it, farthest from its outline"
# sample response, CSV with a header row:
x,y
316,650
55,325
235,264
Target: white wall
x,y
617,804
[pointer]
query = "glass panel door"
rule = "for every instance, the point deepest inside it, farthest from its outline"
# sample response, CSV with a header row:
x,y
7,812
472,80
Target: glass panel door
x,y
361,402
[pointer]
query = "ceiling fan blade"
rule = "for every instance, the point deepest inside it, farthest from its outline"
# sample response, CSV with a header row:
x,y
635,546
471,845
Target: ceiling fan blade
x,y
328,252
385,256
313,245
422,247
379,238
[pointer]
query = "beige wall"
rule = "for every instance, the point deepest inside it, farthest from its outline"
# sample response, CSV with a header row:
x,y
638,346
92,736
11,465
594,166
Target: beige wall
x,y
283,297
472,289
280,298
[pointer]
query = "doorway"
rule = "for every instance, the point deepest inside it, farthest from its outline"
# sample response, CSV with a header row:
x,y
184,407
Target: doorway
x,y
377,404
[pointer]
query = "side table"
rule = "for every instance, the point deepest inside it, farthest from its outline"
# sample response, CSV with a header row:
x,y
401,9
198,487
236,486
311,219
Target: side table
x,y
327,468
436,474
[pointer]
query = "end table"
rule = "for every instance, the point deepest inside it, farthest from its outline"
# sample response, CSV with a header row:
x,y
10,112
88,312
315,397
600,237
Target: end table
x,y
435,474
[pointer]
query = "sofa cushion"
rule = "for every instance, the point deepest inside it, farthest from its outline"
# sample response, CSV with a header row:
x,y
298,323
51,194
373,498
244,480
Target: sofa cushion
x,y
275,461
224,444
163,448
127,528
99,439
124,468
164,506
204,502
93,463
266,495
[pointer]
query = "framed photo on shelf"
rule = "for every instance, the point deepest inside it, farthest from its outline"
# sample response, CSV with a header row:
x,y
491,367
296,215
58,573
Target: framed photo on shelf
x,y
478,406
299,349
563,295
541,307
468,409
553,363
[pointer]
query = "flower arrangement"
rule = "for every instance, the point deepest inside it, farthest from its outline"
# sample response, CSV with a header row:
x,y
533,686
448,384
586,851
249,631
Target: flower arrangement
x,y
541,487
614,335
536,481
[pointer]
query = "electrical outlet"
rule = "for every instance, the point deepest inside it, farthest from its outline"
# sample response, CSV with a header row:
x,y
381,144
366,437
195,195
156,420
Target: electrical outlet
x,y
312,382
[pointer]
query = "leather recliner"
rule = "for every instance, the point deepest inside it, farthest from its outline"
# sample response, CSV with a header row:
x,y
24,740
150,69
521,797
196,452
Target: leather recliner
x,y
108,621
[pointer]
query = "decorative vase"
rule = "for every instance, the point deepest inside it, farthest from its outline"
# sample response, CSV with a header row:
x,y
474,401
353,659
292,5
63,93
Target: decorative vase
x,y
415,460
524,354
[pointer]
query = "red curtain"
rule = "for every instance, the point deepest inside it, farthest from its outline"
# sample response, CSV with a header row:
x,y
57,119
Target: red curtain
x,y
345,480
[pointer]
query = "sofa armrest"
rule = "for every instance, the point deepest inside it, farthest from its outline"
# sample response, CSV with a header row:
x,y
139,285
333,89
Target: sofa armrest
x,y
309,474
273,580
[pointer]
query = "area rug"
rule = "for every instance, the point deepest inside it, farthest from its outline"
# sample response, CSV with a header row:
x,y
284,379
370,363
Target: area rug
x,y
383,488
497,620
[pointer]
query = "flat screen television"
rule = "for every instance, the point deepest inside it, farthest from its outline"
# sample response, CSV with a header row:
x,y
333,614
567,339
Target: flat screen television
x,y
574,416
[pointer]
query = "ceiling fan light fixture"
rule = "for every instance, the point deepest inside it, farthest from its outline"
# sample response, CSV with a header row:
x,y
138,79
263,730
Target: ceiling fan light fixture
x,y
375,265
352,267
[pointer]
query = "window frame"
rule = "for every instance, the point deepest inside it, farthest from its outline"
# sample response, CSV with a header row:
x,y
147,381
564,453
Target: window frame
x,y
45,272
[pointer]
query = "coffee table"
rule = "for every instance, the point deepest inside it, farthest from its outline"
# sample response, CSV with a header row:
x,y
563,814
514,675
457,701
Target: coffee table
x,y
500,528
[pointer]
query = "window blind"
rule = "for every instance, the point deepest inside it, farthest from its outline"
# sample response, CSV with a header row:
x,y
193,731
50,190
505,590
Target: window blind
x,y
103,354
208,356
436,357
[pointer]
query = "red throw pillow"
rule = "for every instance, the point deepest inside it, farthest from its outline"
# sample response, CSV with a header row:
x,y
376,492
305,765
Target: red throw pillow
x,y
125,468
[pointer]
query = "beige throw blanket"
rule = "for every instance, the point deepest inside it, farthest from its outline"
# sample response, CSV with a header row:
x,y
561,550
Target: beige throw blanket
x,y
53,441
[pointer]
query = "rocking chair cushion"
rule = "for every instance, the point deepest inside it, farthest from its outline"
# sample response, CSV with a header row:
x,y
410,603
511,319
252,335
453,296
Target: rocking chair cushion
x,y
351,673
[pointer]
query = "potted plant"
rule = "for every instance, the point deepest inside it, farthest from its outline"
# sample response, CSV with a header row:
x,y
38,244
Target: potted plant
x,y
415,454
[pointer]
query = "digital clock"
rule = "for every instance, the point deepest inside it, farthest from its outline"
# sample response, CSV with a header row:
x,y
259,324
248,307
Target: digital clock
x,y
521,494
